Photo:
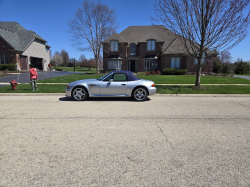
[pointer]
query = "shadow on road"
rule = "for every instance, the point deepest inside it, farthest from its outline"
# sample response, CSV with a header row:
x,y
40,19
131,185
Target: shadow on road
x,y
99,99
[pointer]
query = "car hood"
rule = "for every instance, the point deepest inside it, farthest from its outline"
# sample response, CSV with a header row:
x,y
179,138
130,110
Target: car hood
x,y
84,81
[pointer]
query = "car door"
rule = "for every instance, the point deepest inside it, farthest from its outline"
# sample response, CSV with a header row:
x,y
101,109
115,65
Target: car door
x,y
116,84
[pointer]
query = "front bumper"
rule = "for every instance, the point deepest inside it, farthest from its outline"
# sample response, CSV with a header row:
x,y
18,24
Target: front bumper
x,y
68,92
152,90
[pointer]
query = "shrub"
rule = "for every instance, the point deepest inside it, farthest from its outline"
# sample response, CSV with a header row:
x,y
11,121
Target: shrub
x,y
10,67
242,68
152,72
172,71
147,73
158,73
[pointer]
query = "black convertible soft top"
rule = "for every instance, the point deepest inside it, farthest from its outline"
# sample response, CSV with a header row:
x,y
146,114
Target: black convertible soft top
x,y
129,74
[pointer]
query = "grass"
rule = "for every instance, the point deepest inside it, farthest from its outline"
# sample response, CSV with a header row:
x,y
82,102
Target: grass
x,y
158,79
42,88
55,88
78,69
190,79
209,90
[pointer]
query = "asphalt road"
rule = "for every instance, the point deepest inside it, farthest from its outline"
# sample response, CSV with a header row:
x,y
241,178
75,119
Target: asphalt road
x,y
166,141
25,77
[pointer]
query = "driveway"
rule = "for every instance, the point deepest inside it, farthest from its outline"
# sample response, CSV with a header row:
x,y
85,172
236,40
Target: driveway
x,y
243,77
166,141
24,77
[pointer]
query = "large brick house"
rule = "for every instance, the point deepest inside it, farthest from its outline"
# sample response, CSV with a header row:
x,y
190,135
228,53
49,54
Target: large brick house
x,y
22,47
145,48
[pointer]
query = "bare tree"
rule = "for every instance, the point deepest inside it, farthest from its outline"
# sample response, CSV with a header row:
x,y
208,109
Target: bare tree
x,y
203,25
57,58
81,58
65,56
92,23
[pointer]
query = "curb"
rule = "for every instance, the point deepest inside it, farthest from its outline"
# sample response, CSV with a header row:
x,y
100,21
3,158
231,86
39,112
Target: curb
x,y
161,95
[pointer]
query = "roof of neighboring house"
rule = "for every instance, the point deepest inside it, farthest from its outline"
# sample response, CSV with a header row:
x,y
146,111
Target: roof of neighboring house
x,y
137,34
16,36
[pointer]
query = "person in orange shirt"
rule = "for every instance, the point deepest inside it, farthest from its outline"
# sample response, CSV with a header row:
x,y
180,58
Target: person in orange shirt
x,y
49,66
33,77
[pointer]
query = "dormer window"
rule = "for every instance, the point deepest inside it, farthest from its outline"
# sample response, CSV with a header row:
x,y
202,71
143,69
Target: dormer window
x,y
132,49
151,45
114,45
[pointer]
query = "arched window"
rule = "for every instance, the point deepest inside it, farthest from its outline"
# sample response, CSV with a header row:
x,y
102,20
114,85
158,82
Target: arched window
x,y
132,49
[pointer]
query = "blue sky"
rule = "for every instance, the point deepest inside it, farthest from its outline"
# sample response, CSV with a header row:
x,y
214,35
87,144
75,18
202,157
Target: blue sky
x,y
49,19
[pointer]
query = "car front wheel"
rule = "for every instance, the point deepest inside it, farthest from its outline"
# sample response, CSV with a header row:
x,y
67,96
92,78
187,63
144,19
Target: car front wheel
x,y
140,94
79,94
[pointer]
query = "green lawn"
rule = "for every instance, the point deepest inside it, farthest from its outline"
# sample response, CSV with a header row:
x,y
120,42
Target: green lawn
x,y
54,88
42,88
158,79
78,69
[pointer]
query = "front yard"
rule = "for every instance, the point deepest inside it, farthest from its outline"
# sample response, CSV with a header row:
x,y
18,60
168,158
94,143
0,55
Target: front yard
x,y
158,79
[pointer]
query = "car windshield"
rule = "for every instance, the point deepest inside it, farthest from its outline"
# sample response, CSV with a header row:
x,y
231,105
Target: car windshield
x,y
103,77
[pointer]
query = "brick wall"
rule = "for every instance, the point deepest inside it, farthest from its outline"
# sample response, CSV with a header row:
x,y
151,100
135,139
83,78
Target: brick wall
x,y
207,68
10,57
107,52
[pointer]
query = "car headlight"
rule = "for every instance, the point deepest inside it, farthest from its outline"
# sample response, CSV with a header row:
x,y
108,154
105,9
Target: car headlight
x,y
68,87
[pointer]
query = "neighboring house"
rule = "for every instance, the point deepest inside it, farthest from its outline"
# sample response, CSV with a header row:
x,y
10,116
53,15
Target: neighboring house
x,y
146,48
22,47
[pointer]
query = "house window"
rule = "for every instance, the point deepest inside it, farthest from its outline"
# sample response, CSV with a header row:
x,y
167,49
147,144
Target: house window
x,y
151,45
0,59
114,65
175,62
203,59
150,64
132,49
114,45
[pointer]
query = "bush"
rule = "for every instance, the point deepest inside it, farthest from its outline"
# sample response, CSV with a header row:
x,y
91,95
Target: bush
x,y
158,73
147,73
172,71
10,67
152,72
70,65
242,68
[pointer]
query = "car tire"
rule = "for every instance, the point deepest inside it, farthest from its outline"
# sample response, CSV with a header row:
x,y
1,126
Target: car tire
x,y
140,94
79,94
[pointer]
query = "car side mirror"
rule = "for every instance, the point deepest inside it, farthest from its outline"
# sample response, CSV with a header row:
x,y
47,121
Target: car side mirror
x,y
111,80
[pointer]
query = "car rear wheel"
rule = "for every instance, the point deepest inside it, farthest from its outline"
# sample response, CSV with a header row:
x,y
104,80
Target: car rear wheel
x,y
79,94
140,94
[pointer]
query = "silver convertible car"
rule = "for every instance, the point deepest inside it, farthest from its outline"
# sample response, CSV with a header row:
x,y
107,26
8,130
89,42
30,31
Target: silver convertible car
x,y
113,84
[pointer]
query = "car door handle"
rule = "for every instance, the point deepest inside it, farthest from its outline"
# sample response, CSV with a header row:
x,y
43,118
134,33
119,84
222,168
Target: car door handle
x,y
123,84
92,85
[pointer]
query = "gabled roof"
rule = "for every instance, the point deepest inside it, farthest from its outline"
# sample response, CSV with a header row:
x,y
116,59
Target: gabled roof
x,y
16,36
137,34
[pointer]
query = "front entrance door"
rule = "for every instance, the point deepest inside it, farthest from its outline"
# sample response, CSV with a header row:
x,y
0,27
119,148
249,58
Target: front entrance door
x,y
132,66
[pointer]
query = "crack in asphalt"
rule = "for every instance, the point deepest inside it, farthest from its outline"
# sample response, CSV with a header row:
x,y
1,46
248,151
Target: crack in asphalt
x,y
165,136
